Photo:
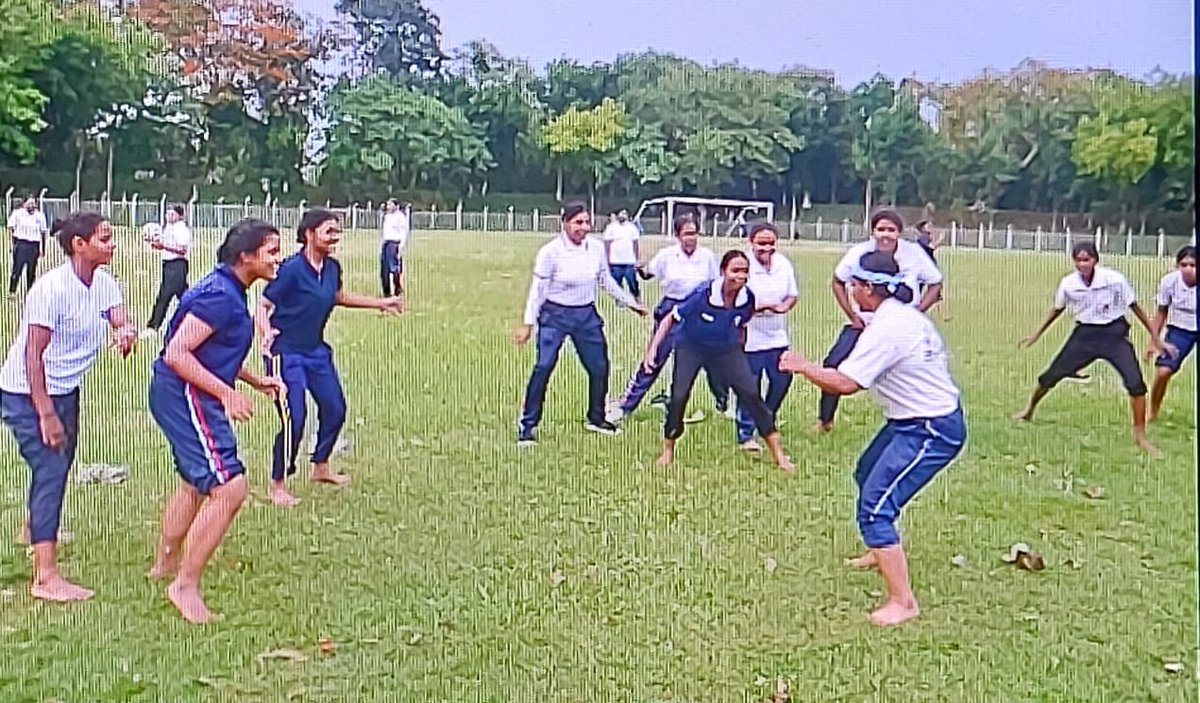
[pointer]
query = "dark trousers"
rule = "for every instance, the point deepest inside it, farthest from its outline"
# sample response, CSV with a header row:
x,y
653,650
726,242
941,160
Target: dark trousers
x,y
730,366
642,380
303,373
838,353
173,285
763,363
585,328
49,467
1088,343
25,257
390,264
626,275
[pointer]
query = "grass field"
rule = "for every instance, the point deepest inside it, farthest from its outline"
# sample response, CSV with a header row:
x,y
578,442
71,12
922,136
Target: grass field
x,y
459,568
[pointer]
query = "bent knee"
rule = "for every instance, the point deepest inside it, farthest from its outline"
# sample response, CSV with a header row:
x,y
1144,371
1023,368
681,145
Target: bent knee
x,y
878,531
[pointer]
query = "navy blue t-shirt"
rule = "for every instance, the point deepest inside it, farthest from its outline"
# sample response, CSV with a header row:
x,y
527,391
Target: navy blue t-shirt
x,y
303,300
705,320
219,301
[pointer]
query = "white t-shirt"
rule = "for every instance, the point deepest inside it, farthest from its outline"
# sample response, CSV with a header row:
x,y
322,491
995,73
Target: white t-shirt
x,y
1106,300
680,274
621,238
76,316
769,330
901,358
175,234
916,268
1180,299
569,274
395,227
26,225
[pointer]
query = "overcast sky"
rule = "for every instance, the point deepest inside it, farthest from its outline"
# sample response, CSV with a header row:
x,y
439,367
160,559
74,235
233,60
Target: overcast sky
x,y
926,39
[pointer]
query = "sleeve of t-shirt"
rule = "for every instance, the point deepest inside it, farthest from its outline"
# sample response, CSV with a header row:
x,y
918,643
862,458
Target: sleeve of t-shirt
x,y
110,293
1164,291
874,354
655,267
277,288
185,237
751,306
1060,295
845,268
543,265
42,307
211,308
925,269
610,233
793,288
41,220
12,219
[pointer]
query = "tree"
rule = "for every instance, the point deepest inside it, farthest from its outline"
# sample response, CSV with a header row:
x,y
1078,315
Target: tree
x,y
585,140
401,37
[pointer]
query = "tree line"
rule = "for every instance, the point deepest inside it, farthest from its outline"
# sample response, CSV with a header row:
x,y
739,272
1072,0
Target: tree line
x,y
240,99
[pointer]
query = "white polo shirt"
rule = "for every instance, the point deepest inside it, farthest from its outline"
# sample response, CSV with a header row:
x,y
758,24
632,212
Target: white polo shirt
x,y
901,358
621,238
680,274
395,227
916,268
1180,301
76,316
1106,300
27,226
175,234
568,274
769,330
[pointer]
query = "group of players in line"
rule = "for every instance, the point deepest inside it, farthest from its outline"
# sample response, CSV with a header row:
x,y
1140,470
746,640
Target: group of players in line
x,y
728,319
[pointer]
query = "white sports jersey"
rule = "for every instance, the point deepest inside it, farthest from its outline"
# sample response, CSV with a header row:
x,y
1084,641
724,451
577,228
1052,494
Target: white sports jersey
x,y
769,330
396,227
175,234
1180,301
77,317
680,274
621,238
901,358
27,226
916,268
568,274
1105,300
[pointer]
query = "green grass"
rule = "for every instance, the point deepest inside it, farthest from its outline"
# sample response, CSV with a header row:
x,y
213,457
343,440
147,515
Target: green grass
x,y
432,571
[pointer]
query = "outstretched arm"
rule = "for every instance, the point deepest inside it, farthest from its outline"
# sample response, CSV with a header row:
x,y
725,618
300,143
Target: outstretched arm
x,y
1046,322
828,380
369,302
1155,341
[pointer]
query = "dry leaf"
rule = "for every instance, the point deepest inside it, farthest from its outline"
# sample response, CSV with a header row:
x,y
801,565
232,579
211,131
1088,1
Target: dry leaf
x,y
291,655
1014,551
771,565
1031,561
327,646
416,637
1094,492
959,560
780,695
1174,667
557,578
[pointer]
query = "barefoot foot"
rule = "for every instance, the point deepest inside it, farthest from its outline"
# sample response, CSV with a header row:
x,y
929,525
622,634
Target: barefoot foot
x,y
1023,416
281,497
750,446
1147,447
665,459
188,602
891,614
785,464
59,590
821,427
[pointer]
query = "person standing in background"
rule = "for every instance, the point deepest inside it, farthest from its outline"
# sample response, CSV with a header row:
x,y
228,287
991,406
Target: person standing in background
x,y
27,227
175,242
396,228
621,247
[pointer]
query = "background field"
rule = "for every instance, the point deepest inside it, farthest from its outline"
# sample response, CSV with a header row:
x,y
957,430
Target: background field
x,y
457,568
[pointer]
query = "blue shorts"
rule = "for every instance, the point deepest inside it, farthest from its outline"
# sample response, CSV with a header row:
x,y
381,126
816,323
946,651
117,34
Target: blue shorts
x,y
1181,339
389,258
202,440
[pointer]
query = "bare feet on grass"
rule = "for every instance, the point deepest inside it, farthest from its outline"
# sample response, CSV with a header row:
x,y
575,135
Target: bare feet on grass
x,y
893,613
281,496
188,602
321,473
57,589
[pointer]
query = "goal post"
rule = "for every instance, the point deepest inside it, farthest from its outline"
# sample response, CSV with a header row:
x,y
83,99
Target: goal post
x,y
738,211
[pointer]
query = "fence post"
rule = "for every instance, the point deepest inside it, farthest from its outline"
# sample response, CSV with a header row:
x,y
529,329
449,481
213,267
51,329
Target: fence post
x,y
162,208
1037,239
246,207
133,208
1129,242
1067,232
537,221
485,218
511,218
792,222
1162,242
353,217
191,211
820,226
458,217
716,222
953,234
1008,237
845,230
1099,238
979,244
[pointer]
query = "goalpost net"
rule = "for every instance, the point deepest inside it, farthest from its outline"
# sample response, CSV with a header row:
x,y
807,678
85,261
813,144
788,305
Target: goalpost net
x,y
718,216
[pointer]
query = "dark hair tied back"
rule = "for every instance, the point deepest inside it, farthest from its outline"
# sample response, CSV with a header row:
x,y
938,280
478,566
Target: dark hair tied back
x,y
245,237
885,264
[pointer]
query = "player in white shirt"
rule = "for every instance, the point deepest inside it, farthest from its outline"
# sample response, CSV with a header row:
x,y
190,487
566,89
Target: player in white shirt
x,y
67,317
621,247
681,269
1177,310
773,283
918,270
562,304
396,229
1099,297
901,358
27,227
175,243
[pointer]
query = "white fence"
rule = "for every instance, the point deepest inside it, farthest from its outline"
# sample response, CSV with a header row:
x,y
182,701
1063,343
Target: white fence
x,y
133,212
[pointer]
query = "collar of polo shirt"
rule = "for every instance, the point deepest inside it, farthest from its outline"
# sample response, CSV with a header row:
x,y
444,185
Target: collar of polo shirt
x,y
718,300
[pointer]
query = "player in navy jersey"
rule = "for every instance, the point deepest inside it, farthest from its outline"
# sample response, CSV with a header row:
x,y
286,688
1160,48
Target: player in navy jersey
x,y
712,322
292,314
193,398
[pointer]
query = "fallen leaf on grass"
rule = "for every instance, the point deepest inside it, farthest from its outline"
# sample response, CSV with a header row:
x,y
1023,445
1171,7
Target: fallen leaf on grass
x,y
291,655
959,560
327,646
1021,556
1094,492
771,565
1174,667
557,578
780,694
416,637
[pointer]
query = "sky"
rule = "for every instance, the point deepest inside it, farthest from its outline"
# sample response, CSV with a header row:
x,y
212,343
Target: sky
x,y
930,40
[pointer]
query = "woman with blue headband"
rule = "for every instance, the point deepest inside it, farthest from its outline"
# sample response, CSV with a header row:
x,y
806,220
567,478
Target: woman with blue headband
x,y
901,358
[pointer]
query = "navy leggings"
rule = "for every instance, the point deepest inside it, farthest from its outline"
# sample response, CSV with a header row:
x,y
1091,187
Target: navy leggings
x,y
49,467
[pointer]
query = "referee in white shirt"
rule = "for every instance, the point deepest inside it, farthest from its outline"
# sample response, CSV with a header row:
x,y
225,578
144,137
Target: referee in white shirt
x,y
901,358
175,242
621,247
773,282
1099,297
918,270
27,227
395,228
562,303
681,269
